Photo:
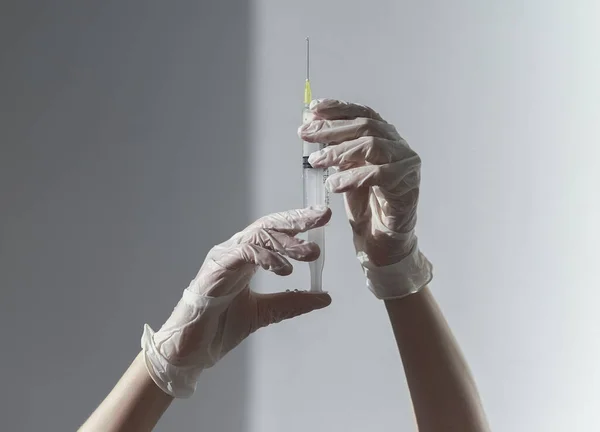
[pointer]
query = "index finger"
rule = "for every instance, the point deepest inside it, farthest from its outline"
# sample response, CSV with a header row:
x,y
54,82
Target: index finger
x,y
293,222
332,109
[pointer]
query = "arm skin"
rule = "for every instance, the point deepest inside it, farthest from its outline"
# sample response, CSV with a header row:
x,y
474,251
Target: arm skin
x,y
135,404
442,390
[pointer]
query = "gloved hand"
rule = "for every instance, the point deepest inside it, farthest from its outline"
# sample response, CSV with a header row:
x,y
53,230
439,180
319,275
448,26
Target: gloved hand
x,y
218,310
379,175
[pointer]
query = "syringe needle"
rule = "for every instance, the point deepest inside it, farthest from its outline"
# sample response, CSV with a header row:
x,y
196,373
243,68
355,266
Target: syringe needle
x,y
307,59
307,89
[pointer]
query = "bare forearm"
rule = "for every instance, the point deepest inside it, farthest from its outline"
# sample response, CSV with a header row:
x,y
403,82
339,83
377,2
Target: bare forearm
x,y
135,404
443,392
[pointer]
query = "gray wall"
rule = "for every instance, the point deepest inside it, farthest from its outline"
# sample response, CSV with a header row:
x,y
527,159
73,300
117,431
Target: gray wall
x,y
123,160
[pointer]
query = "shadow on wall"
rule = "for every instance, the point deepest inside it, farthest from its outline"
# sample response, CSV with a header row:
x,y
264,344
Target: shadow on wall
x,y
123,134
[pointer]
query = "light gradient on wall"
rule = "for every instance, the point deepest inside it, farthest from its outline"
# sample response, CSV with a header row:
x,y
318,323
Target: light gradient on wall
x,y
502,101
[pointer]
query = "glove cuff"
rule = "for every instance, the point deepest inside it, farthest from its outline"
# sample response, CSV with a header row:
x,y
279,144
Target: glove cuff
x,y
400,279
177,381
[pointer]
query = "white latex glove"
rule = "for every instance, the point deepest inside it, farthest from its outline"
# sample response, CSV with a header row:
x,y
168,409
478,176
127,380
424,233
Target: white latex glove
x,y
379,175
218,310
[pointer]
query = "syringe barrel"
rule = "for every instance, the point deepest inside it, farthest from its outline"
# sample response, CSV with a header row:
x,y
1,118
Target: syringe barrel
x,y
314,178
307,147
314,187
317,235
315,193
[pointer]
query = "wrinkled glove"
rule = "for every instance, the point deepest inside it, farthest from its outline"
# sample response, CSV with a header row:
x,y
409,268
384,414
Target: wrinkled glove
x,y
218,310
379,175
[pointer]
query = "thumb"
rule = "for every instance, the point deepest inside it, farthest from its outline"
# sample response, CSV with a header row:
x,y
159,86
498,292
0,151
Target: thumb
x,y
276,307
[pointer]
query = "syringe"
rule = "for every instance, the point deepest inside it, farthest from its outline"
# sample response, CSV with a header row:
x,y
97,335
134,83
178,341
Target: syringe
x,y
314,185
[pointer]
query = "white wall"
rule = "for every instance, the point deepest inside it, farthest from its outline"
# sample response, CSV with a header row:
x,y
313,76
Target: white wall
x,y
501,99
